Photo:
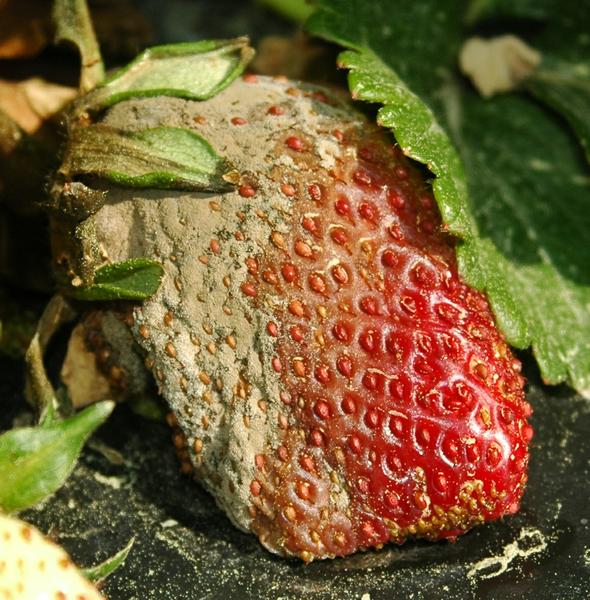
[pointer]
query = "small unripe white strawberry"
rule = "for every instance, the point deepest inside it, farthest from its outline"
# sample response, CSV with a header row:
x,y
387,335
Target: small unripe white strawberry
x,y
33,568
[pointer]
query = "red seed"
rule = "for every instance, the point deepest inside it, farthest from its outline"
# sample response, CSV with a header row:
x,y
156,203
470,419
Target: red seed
x,y
238,121
295,143
369,305
248,289
338,234
270,277
252,265
342,205
348,405
296,333
362,177
369,340
344,365
408,304
275,110
391,499
493,455
289,272
307,463
322,374
396,198
255,488
309,224
340,274
341,332
363,485
315,192
322,409
368,211
420,500
303,249
354,443
370,381
316,438
441,482
303,489
317,283
246,191
288,189
372,418
389,258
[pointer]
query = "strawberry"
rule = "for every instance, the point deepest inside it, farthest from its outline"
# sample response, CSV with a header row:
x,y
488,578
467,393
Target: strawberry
x,y
336,384
32,567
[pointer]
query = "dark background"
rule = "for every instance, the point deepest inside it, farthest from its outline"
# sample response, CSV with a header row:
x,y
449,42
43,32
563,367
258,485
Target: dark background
x,y
127,483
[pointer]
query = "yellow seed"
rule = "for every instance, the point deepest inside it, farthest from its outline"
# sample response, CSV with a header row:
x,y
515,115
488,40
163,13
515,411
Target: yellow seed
x,y
277,239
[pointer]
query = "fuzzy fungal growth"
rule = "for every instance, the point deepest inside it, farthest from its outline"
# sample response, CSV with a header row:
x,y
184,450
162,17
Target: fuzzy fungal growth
x,y
335,385
33,568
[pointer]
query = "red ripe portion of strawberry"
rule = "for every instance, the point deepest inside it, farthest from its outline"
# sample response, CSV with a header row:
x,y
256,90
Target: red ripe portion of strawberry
x,y
404,412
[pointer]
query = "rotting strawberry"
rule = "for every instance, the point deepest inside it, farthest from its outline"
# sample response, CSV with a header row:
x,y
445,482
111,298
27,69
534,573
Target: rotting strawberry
x,y
338,386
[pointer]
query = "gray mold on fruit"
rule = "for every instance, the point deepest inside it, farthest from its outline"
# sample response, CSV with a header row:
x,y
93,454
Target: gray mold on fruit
x,y
199,333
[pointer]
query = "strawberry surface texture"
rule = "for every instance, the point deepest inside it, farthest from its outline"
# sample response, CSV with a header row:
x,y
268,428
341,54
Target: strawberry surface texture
x,y
334,383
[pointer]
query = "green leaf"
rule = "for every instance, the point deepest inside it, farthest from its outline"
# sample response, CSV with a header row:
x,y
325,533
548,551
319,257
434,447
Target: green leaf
x,y
163,157
529,187
192,70
35,461
100,572
479,10
73,24
133,279
566,89
294,10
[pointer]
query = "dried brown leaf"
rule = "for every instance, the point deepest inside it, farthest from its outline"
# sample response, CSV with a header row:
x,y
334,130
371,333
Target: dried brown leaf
x,y
32,102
